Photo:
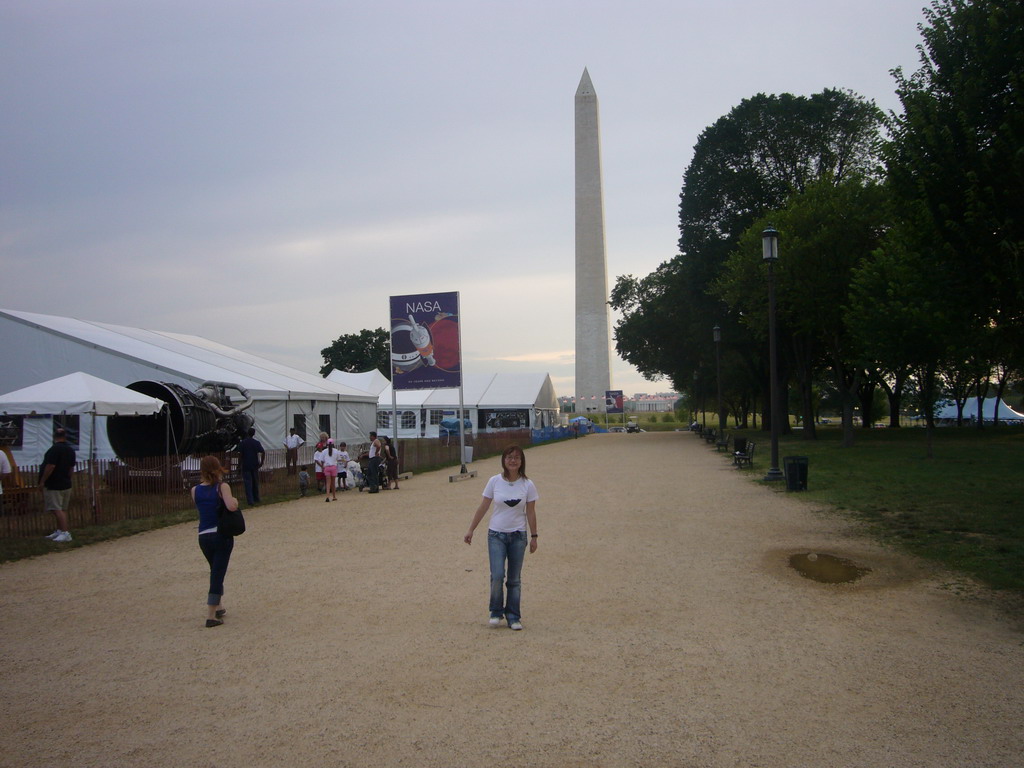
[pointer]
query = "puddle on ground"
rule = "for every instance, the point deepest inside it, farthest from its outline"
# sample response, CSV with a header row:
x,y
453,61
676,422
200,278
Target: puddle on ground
x,y
828,569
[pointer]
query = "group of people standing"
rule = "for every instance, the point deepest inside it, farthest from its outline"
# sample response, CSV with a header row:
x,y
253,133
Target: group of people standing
x,y
382,464
331,466
331,460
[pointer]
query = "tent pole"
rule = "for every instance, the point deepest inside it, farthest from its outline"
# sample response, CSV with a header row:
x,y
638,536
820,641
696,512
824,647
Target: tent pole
x,y
92,468
462,405
394,418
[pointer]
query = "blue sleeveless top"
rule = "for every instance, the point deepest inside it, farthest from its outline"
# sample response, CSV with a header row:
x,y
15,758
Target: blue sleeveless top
x,y
206,503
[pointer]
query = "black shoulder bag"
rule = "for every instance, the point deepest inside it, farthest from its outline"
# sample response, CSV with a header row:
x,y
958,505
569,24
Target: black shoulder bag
x,y
228,523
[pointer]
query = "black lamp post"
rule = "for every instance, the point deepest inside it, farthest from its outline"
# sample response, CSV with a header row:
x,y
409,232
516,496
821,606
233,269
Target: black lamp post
x,y
770,254
718,375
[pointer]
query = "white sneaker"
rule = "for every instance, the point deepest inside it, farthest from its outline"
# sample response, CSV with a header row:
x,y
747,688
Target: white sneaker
x,y
54,535
515,625
494,621
62,537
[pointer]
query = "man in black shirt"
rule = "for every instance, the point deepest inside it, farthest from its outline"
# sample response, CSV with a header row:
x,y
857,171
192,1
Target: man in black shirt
x,y
252,454
55,483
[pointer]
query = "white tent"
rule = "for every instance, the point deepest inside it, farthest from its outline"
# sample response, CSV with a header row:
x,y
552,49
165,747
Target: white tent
x,y
78,394
36,347
947,411
493,401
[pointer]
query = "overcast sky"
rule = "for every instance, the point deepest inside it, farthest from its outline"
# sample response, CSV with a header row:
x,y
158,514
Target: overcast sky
x,y
267,174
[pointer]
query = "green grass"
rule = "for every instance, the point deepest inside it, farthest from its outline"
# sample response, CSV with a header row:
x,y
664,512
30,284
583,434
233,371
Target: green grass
x,y
961,509
17,548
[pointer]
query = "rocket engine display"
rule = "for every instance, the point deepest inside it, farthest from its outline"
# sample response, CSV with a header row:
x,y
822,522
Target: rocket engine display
x,y
201,421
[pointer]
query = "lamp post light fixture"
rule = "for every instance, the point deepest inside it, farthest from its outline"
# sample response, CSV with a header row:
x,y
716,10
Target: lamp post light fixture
x,y
770,254
717,331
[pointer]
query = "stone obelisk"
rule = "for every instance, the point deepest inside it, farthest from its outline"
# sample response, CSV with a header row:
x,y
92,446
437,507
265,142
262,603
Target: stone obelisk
x,y
593,357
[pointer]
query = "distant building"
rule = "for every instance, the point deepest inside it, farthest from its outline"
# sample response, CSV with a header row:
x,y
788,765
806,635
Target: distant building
x,y
663,402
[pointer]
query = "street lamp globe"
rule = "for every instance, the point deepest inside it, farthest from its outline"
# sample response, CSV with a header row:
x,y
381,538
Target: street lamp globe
x,y
770,245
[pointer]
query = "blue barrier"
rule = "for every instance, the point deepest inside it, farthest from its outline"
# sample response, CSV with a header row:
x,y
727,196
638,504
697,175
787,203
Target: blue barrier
x,y
549,433
557,433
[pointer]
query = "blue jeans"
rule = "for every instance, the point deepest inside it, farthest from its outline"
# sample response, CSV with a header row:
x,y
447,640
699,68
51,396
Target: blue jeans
x,y
373,474
251,480
510,548
217,551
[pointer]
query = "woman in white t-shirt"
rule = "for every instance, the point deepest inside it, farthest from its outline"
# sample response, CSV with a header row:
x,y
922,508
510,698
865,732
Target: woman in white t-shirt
x,y
515,506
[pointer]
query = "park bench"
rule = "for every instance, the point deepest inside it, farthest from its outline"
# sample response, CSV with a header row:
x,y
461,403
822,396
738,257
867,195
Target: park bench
x,y
722,444
744,458
709,435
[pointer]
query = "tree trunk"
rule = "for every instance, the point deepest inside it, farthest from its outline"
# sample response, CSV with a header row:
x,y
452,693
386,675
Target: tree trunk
x,y
866,396
807,406
928,397
1000,389
896,400
846,383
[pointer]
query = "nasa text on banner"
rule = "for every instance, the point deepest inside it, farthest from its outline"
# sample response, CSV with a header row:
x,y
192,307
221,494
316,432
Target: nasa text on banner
x,y
425,351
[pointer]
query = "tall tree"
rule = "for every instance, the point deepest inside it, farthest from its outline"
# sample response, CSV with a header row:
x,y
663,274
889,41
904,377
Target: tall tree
x,y
825,232
358,352
902,313
747,163
956,152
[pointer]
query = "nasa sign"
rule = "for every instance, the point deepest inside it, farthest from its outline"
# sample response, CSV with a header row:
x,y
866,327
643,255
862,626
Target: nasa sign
x,y
425,341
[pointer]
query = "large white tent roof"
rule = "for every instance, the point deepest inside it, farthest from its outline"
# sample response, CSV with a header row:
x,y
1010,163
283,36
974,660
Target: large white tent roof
x,y
79,393
482,390
191,358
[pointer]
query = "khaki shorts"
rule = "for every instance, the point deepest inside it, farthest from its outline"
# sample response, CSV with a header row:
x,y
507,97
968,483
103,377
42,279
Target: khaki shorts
x,y
56,500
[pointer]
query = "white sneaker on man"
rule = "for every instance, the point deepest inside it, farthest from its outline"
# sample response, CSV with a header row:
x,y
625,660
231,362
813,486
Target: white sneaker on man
x,y
62,537
516,625
54,535
494,621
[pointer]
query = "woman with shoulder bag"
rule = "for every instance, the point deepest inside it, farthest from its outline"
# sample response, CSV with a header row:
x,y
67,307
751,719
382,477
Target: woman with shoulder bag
x,y
216,547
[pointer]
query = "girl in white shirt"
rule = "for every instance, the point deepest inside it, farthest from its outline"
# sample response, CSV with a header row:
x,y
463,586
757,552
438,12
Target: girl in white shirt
x,y
514,497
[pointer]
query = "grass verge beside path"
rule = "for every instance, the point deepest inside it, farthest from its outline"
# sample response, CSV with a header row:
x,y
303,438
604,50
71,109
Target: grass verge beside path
x,y
962,508
22,547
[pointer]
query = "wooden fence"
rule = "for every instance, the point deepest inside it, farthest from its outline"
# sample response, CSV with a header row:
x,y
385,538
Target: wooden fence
x,y
111,491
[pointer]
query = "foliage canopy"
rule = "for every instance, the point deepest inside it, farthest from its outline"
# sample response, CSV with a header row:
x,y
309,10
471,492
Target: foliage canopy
x,y
358,352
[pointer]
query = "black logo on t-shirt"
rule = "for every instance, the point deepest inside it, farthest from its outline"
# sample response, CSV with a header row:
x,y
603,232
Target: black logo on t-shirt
x,y
512,502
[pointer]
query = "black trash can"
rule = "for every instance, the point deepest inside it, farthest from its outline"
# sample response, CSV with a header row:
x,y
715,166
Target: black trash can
x,y
795,468
739,444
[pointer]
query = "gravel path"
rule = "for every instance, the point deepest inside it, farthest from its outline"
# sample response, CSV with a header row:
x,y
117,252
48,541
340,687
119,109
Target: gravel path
x,y
664,627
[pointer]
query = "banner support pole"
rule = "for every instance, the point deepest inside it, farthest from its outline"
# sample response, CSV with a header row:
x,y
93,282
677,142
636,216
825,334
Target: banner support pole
x,y
462,406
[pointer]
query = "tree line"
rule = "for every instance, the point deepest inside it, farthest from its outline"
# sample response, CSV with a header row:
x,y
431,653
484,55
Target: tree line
x,y
900,238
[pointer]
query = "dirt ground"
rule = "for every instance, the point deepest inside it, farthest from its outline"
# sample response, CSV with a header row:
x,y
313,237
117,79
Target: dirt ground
x,y
664,627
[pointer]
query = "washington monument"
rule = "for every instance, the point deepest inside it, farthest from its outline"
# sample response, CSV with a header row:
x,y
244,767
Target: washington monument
x,y
593,357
